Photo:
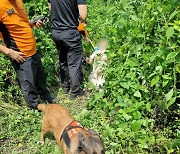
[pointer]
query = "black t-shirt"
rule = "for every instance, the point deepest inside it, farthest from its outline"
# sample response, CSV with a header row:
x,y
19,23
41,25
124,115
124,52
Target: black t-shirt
x,y
65,13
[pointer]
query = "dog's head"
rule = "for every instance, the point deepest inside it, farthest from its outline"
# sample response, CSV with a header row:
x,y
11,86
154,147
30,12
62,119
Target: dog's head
x,y
90,144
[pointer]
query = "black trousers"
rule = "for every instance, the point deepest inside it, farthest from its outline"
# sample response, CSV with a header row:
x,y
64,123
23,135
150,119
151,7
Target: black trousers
x,y
32,80
69,46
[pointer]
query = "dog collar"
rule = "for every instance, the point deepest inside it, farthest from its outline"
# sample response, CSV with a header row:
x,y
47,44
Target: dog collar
x,y
70,131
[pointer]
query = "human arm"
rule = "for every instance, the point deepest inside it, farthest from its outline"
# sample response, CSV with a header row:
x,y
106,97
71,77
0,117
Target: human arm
x,y
82,6
82,12
18,56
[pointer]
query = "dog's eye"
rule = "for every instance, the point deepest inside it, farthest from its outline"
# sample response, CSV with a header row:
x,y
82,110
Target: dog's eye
x,y
94,152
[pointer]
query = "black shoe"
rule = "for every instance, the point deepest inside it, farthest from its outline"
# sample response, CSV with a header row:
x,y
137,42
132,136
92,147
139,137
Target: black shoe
x,y
73,96
65,90
53,100
79,94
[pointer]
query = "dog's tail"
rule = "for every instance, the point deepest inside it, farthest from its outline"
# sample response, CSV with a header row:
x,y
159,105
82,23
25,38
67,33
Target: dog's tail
x,y
42,107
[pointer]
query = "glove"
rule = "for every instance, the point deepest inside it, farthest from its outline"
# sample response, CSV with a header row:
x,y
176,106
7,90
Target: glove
x,y
82,30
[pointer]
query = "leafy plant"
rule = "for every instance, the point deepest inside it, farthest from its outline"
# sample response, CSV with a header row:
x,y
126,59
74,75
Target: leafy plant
x,y
138,109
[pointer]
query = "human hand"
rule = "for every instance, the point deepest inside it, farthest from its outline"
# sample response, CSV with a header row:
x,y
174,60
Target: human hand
x,y
39,21
38,24
17,56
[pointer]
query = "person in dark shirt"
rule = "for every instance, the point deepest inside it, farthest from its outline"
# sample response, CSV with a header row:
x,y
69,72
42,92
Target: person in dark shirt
x,y
65,17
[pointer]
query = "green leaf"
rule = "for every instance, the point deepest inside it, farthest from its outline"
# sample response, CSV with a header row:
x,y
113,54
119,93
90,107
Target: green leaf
x,y
148,106
123,125
133,17
145,122
154,81
119,99
158,68
144,145
171,102
151,139
132,62
169,32
178,68
171,55
120,102
108,131
165,83
127,117
136,125
176,27
99,95
169,94
152,74
137,115
137,94
173,14
170,151
125,85
120,131
123,2
166,76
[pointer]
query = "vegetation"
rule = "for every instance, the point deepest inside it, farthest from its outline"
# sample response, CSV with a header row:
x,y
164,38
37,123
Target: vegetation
x,y
139,107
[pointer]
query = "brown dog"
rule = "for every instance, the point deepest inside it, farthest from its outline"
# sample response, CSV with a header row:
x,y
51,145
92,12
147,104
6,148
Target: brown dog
x,y
69,134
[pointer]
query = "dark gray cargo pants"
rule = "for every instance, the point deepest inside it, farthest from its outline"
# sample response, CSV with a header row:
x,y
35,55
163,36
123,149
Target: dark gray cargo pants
x,y
32,80
69,46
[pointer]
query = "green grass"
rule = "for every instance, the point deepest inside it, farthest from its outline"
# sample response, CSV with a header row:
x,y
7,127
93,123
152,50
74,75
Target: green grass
x,y
20,129
138,112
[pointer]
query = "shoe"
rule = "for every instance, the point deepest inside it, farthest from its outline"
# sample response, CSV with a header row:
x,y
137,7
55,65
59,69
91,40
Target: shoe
x,y
53,100
79,94
65,90
73,96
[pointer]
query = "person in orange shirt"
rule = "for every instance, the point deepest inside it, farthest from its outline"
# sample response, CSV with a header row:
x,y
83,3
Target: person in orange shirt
x,y
19,44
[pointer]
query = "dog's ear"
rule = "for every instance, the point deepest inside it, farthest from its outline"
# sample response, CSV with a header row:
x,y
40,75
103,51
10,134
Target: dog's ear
x,y
95,134
81,141
92,132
